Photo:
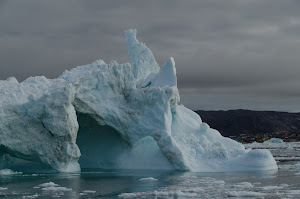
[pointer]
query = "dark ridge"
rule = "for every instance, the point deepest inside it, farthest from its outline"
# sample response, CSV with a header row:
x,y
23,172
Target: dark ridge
x,y
236,122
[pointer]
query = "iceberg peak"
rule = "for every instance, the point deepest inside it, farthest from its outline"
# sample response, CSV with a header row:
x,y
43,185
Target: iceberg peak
x,y
141,58
167,75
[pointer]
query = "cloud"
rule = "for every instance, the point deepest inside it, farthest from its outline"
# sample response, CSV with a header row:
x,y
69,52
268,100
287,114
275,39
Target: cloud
x,y
221,48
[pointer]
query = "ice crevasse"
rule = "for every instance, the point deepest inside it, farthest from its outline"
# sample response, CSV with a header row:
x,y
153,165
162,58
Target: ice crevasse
x,y
113,116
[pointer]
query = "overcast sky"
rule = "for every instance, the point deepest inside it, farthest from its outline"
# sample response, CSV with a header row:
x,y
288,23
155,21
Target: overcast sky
x,y
229,54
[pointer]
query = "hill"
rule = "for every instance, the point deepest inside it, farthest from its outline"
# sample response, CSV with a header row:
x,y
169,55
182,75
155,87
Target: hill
x,y
235,122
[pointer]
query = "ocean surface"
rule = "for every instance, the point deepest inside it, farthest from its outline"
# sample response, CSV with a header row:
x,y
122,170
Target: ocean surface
x,y
95,183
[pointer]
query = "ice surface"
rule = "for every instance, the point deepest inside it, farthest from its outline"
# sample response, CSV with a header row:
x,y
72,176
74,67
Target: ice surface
x,y
273,187
124,116
38,122
243,185
89,191
51,186
32,196
56,189
145,155
129,195
244,194
48,184
269,144
4,172
86,192
167,194
141,58
149,179
166,75
274,140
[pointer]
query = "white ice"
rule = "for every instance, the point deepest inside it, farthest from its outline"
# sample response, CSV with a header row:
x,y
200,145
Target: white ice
x,y
4,172
269,144
244,194
89,191
48,184
51,186
163,194
243,185
149,179
30,197
56,189
135,111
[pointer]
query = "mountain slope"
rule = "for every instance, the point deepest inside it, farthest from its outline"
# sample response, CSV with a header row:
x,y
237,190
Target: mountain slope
x,y
234,122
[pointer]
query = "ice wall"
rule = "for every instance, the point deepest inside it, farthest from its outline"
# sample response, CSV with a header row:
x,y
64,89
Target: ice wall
x,y
38,122
128,116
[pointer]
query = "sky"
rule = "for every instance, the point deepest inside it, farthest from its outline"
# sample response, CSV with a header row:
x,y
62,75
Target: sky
x,y
234,54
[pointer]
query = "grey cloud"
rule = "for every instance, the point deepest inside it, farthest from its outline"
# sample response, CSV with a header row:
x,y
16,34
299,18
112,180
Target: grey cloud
x,y
222,48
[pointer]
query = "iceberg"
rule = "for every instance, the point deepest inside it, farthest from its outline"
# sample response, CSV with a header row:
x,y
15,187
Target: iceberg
x,y
113,116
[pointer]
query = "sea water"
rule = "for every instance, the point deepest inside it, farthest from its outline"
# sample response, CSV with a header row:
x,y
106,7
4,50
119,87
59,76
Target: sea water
x,y
96,183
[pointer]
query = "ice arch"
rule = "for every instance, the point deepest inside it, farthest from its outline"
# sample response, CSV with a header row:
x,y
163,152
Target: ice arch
x,y
133,109
103,147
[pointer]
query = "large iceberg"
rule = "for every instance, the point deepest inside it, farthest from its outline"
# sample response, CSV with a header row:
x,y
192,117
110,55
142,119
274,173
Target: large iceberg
x,y
113,116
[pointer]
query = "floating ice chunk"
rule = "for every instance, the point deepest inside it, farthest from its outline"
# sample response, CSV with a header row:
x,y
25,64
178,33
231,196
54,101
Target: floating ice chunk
x,y
30,197
297,174
274,140
166,75
292,167
272,187
244,194
177,193
51,186
269,144
4,172
172,194
149,179
89,191
254,160
56,189
3,188
48,184
128,195
243,185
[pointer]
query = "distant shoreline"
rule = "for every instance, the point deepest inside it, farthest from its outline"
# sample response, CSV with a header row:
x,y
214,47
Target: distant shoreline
x,y
248,126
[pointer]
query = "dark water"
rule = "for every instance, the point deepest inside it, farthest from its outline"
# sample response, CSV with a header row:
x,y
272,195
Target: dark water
x,y
93,183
